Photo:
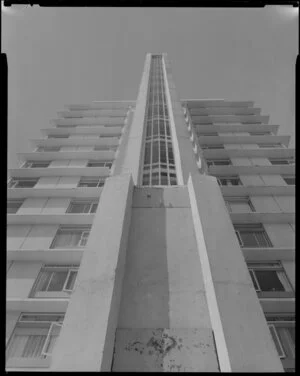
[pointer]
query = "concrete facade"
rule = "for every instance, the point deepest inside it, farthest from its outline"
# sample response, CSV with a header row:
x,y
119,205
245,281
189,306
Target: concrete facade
x,y
197,276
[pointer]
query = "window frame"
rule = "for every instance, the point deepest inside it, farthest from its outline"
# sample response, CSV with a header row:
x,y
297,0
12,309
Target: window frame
x,y
99,180
277,267
15,181
284,177
84,231
212,162
229,178
9,201
31,164
93,163
250,228
89,202
242,199
64,292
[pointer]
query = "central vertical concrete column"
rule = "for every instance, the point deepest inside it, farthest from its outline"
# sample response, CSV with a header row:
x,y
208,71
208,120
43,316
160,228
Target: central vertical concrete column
x,y
243,339
134,151
86,341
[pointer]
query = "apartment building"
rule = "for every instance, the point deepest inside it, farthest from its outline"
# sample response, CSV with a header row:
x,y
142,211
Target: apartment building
x,y
153,235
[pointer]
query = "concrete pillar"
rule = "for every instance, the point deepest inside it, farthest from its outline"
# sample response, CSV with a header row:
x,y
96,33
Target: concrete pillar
x,y
86,341
134,150
242,337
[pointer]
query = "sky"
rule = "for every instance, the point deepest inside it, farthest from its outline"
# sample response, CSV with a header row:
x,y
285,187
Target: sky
x,y
60,56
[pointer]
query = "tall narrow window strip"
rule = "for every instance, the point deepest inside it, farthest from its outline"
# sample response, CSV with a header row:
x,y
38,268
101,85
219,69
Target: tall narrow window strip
x,y
159,165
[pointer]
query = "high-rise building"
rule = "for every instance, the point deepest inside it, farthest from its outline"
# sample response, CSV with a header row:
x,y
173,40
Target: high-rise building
x,y
153,235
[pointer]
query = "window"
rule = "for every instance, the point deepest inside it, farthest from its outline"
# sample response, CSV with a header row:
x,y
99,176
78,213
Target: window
x,y
55,282
270,145
199,133
48,148
22,182
83,206
13,206
92,163
276,161
214,146
229,180
218,162
239,205
33,339
282,328
269,277
90,181
252,235
71,237
58,136
289,179
104,147
262,133
36,164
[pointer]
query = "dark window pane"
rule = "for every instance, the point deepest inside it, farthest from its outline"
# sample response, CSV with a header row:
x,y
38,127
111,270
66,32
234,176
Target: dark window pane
x,y
268,280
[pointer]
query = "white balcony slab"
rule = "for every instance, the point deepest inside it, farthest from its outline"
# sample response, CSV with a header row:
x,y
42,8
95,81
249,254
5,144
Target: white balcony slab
x,y
97,131
251,170
76,141
242,190
236,127
59,155
249,153
266,139
230,119
256,217
78,192
63,219
195,103
269,254
37,305
51,256
282,305
101,105
93,113
224,111
104,120
59,171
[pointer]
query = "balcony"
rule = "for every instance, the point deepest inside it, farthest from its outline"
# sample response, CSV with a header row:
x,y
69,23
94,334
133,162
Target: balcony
x,y
37,305
208,111
59,171
252,170
56,256
236,128
230,119
114,141
255,217
68,155
95,105
107,121
93,113
84,131
249,153
255,190
196,103
50,219
269,254
267,139
76,192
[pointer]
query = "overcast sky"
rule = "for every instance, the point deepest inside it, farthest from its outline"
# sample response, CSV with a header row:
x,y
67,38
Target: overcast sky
x,y
59,56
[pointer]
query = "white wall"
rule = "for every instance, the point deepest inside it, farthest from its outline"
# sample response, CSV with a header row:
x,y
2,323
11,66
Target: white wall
x,y
16,235
280,234
40,237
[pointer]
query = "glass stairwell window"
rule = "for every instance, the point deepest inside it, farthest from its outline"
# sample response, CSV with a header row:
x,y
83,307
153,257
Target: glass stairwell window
x,y
159,162
252,236
269,279
33,340
55,281
228,180
71,237
282,328
83,206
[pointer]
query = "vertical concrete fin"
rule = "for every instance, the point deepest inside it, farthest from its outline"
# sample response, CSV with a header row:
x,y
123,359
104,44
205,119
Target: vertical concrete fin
x,y
216,322
86,340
